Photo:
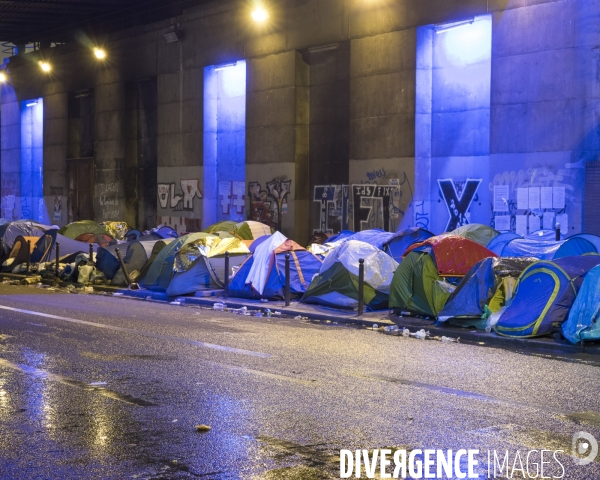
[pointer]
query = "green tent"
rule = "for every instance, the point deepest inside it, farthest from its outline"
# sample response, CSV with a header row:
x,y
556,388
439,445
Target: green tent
x,y
73,230
481,234
417,287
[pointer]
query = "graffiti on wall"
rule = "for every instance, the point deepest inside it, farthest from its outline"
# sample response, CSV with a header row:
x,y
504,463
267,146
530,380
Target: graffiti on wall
x,y
232,197
373,206
422,210
458,197
268,206
334,211
179,200
108,200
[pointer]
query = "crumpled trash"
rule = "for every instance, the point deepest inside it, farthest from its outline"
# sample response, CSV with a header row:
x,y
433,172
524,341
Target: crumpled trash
x,y
203,428
220,306
174,303
375,326
31,280
300,317
88,289
450,340
259,314
420,335
98,384
268,313
264,300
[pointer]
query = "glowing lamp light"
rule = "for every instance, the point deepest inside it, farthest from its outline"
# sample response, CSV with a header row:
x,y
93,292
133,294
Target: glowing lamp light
x,y
100,54
45,66
3,77
260,15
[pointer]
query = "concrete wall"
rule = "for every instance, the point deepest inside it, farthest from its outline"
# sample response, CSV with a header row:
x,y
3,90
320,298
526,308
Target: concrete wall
x,y
542,127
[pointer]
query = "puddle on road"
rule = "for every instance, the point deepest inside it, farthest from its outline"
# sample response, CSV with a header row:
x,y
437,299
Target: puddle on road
x,y
43,374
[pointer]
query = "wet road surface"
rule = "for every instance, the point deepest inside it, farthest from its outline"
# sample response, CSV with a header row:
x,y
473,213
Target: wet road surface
x,y
103,387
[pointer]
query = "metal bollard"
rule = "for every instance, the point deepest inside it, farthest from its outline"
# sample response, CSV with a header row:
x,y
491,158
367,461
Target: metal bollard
x,y
91,253
557,238
57,256
28,256
288,294
226,281
127,279
361,287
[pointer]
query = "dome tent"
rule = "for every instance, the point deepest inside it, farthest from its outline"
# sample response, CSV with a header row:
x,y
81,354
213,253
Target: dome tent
x,y
480,286
250,230
419,284
583,322
481,234
160,269
19,253
548,249
200,265
544,295
263,274
75,229
135,257
26,228
336,285
498,243
45,248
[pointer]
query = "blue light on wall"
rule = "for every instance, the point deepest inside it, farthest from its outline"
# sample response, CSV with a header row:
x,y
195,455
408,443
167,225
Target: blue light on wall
x,y
224,138
453,92
32,160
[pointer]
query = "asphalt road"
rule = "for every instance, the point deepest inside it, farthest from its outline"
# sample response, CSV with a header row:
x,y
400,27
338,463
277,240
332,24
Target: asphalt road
x,y
281,396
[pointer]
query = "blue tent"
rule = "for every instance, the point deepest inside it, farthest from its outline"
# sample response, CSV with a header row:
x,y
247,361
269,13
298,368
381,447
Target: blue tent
x,y
263,274
582,324
340,236
45,248
498,243
478,287
401,240
548,250
543,296
593,239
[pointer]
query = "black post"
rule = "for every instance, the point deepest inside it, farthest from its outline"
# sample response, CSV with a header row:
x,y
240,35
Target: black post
x,y
91,253
557,238
127,279
57,256
28,255
287,280
226,280
361,286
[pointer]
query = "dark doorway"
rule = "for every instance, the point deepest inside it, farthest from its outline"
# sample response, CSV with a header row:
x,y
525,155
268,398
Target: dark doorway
x,y
141,152
81,183
329,131
81,124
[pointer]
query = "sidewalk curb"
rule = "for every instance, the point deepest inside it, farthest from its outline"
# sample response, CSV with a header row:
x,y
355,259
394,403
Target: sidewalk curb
x,y
474,337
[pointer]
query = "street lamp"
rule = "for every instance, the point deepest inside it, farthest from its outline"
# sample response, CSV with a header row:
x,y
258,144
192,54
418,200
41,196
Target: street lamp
x,y
100,53
45,66
3,77
260,15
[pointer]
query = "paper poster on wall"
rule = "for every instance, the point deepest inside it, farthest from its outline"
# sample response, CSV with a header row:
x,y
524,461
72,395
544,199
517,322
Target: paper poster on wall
x,y
548,220
546,193
534,223
564,222
522,199
521,224
500,198
502,223
558,198
534,200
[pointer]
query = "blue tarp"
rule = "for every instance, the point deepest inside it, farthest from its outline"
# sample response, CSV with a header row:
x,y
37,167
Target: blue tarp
x,y
548,250
582,324
544,236
544,295
397,245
